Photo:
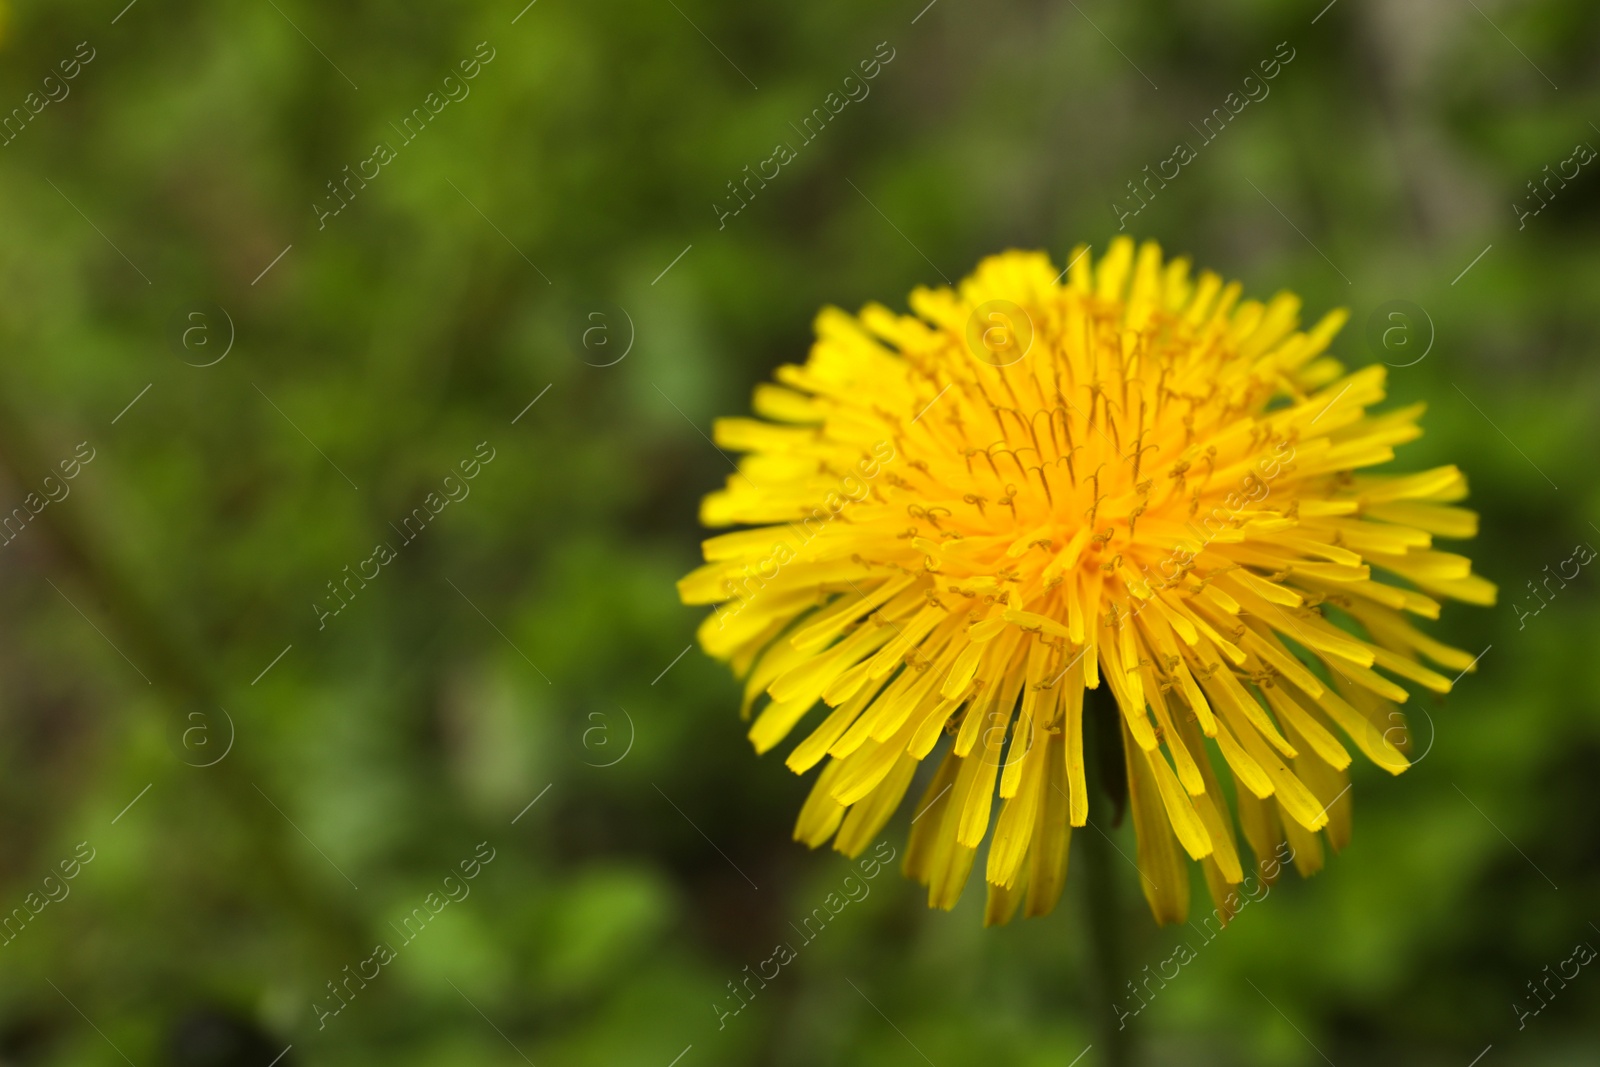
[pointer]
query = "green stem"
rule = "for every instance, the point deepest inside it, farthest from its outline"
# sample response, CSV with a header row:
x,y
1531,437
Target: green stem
x,y
1113,1039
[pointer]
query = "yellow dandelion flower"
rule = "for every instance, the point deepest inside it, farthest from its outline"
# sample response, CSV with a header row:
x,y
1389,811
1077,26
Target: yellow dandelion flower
x,y
1116,478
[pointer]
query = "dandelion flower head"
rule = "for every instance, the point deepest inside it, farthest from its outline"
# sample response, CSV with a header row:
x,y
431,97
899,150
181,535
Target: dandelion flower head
x,y
1114,502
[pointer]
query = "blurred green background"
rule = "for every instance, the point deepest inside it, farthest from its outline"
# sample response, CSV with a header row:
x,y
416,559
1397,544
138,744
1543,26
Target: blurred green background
x,y
528,646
